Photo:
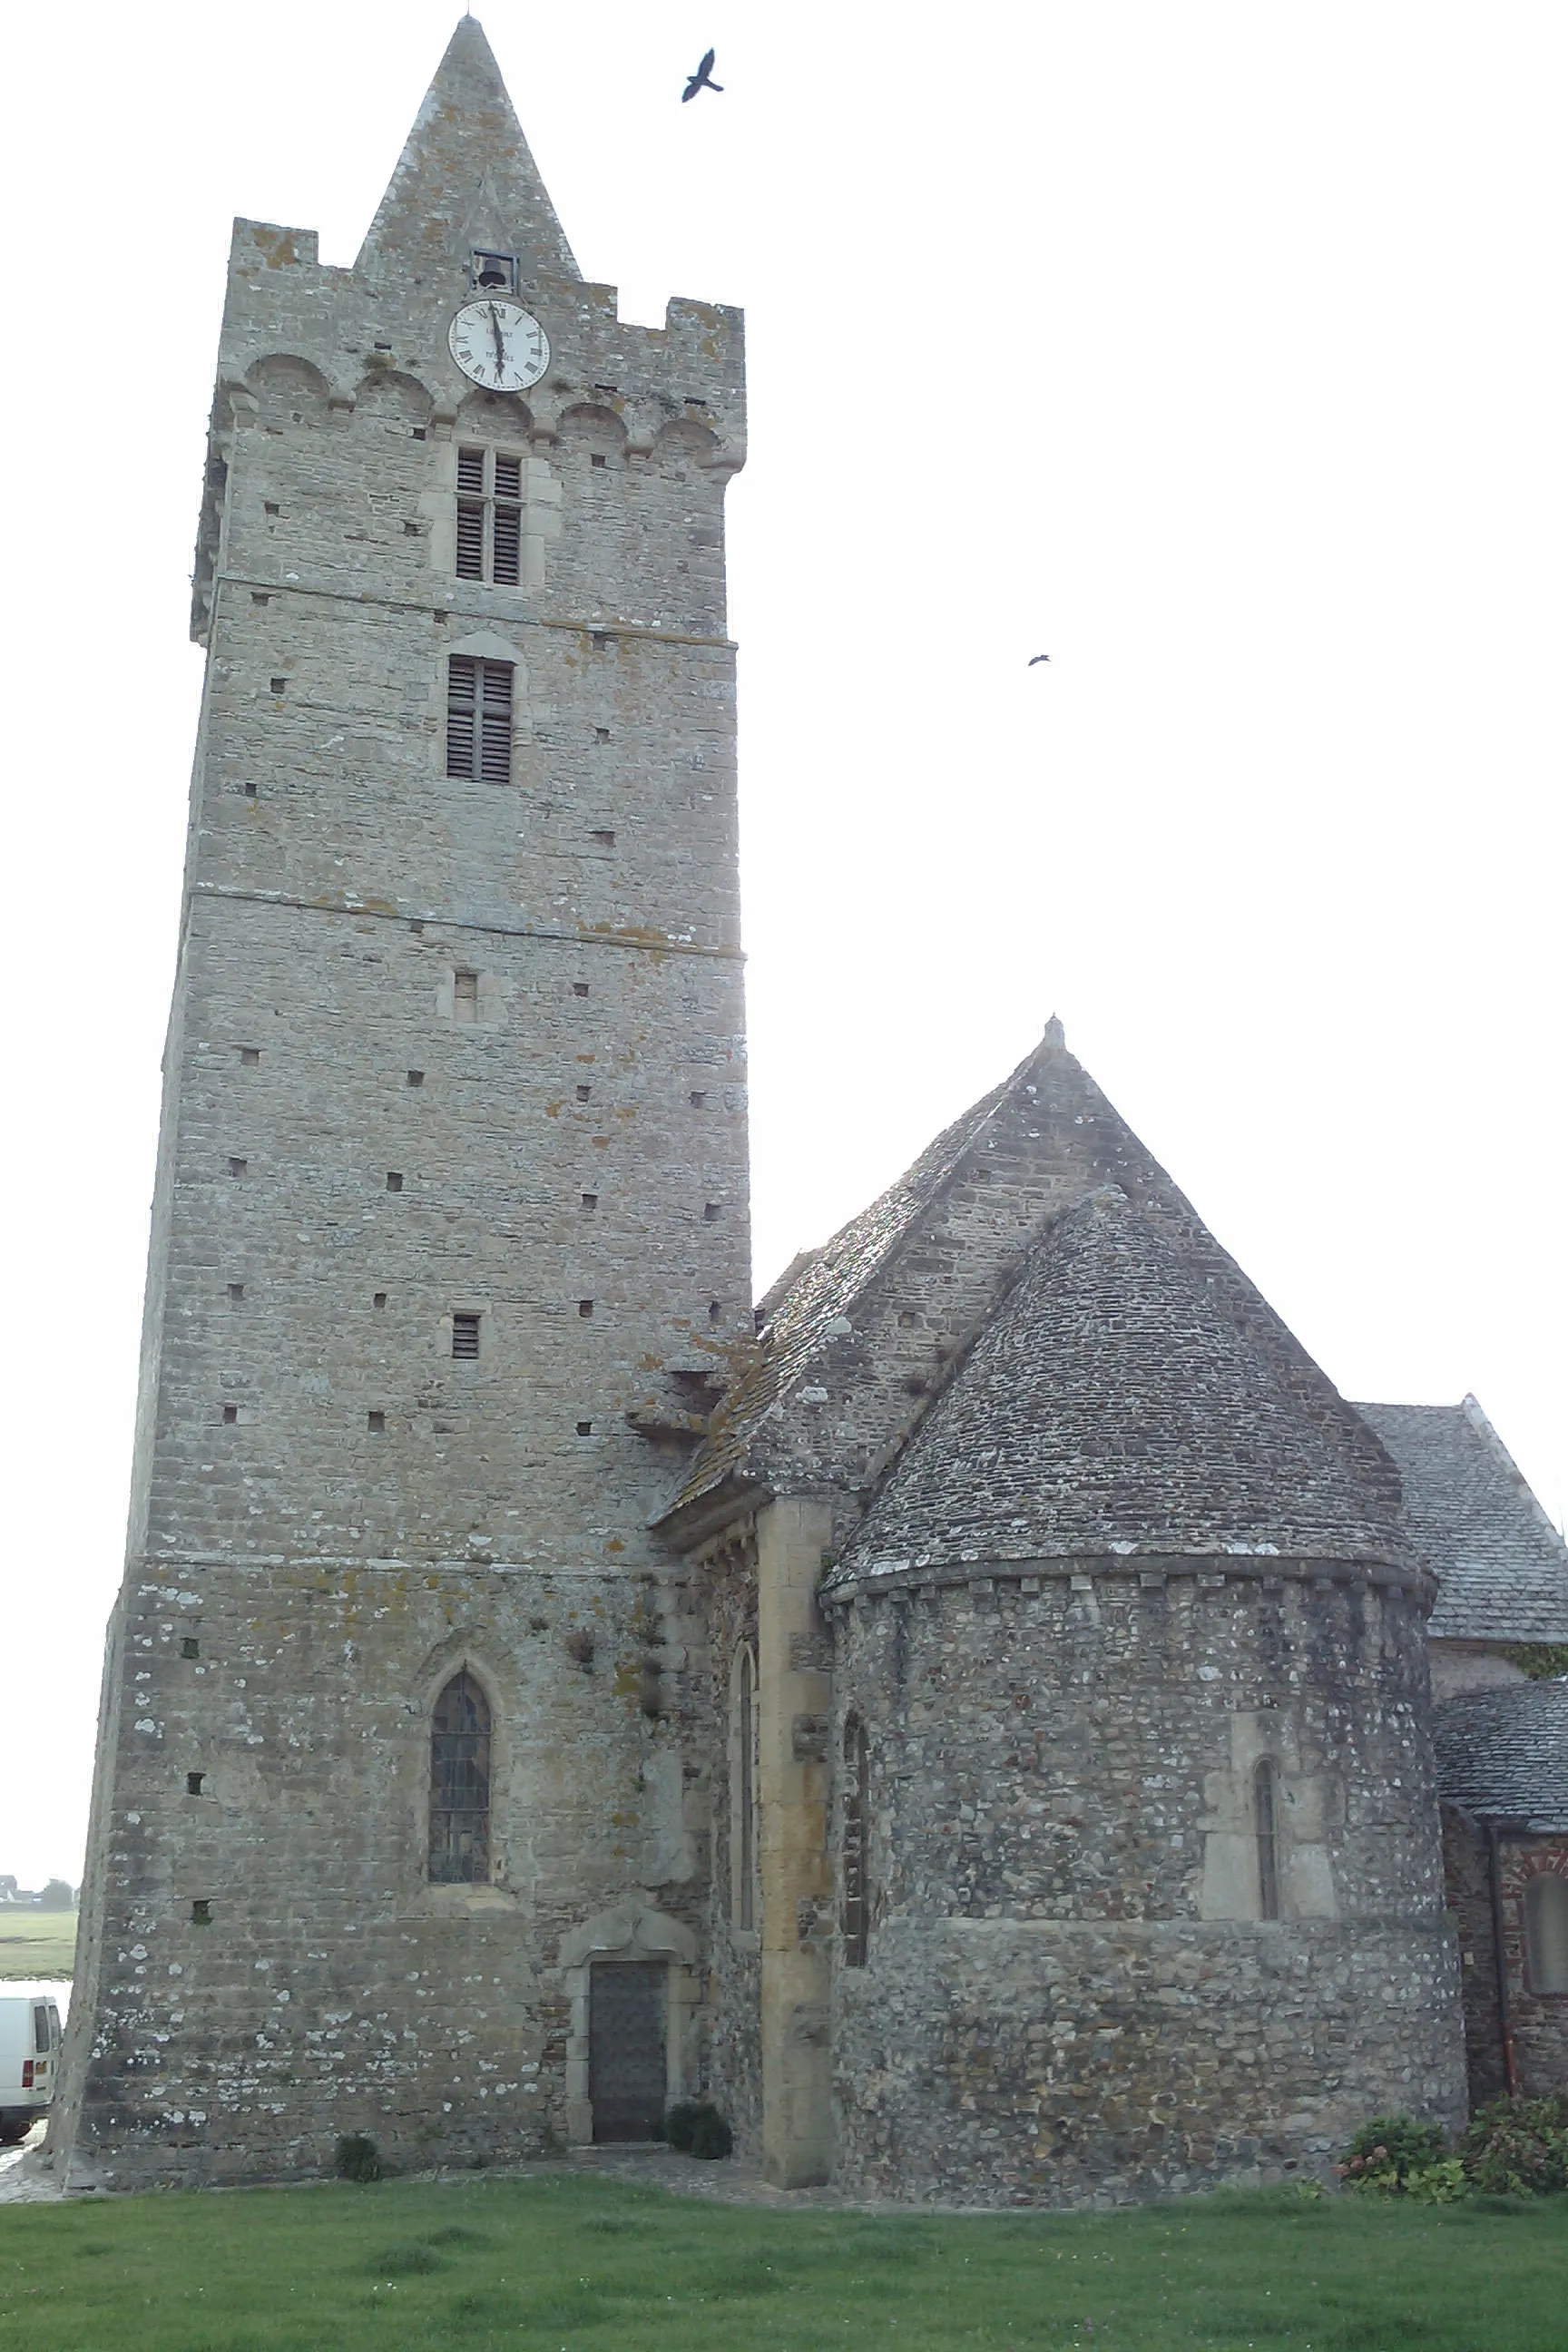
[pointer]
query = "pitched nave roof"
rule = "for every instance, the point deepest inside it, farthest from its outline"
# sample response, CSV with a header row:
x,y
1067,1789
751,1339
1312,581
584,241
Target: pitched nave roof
x,y
1501,1566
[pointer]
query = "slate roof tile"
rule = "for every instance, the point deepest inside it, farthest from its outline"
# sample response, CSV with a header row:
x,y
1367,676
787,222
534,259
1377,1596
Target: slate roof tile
x,y
1503,1754
1501,1566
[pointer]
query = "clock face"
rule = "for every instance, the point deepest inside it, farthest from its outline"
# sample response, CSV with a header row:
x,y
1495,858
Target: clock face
x,y
497,344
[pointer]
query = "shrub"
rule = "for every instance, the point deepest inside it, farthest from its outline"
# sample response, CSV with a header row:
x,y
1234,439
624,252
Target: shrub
x,y
1519,2147
357,2158
696,2128
711,2137
1388,2153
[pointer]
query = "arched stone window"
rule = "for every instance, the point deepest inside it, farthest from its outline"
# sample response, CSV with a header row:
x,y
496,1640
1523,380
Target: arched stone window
x,y
1266,1828
1546,1932
460,1784
743,1794
855,1919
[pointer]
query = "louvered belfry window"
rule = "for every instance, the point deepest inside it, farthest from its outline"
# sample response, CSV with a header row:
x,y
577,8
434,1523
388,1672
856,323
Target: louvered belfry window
x,y
479,720
461,1785
489,517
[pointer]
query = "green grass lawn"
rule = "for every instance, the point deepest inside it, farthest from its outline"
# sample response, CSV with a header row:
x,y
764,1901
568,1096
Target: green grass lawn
x,y
37,1944
573,2263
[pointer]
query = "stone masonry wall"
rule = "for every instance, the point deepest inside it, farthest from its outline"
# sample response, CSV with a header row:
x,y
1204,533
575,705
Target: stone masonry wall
x,y
331,1987
1071,1994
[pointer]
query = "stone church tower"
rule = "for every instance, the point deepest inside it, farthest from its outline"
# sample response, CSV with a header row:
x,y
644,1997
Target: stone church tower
x,y
449,1234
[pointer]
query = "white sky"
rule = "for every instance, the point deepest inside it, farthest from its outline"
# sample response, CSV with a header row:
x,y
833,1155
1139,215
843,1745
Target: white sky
x,y
1217,351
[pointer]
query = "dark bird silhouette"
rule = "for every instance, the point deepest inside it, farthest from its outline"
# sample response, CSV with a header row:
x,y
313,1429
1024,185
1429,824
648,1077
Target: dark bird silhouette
x,y
1037,658
702,80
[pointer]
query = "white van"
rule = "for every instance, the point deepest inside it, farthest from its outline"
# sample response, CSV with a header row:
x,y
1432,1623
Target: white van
x,y
29,2061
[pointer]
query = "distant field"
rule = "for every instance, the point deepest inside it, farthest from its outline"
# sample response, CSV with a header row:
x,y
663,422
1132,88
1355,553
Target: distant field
x,y
37,1944
564,2262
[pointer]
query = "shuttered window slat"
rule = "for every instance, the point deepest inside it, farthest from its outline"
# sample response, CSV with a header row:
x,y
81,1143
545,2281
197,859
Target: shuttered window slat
x,y
489,517
470,542
479,720
508,546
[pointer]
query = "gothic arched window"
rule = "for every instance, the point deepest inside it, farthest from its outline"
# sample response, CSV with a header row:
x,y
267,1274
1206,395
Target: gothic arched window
x,y
1546,1932
856,1811
743,1817
460,1784
1266,1828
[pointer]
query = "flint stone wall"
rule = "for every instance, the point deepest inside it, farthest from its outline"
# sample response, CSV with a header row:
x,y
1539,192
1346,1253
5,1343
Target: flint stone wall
x,y
1070,1994
334,1989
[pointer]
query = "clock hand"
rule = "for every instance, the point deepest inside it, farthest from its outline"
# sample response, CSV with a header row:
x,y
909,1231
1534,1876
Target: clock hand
x,y
501,347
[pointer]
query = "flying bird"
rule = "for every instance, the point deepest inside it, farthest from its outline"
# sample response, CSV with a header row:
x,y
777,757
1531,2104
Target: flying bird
x,y
702,80
1037,658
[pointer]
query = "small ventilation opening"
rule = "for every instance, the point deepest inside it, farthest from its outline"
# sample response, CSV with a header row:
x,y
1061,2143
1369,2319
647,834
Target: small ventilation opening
x,y
586,1309
250,1055
189,1646
585,1429
579,988
415,1078
393,1180
231,1414
379,1301
201,1913
193,1783
715,1311
280,685
584,1093
711,1212
598,458
590,1200
465,1335
235,1292
376,1423
699,1100
604,836
238,1166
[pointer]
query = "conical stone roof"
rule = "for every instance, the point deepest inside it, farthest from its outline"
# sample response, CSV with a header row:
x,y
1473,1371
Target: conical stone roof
x,y
465,177
1118,1404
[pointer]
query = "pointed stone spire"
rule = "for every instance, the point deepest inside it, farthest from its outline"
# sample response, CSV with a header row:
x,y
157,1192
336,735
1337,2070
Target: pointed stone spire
x,y
466,178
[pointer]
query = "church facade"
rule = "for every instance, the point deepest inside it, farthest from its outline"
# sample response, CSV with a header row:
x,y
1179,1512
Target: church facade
x,y
971,1716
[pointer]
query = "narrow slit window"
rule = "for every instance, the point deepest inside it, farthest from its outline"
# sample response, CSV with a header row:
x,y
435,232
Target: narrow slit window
x,y
465,1336
1546,1933
489,517
461,1785
856,1915
479,720
1266,1827
465,996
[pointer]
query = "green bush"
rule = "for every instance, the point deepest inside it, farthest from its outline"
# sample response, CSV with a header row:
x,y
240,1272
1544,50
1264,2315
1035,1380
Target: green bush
x,y
711,2136
696,2128
1388,2153
1517,2148
357,2158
